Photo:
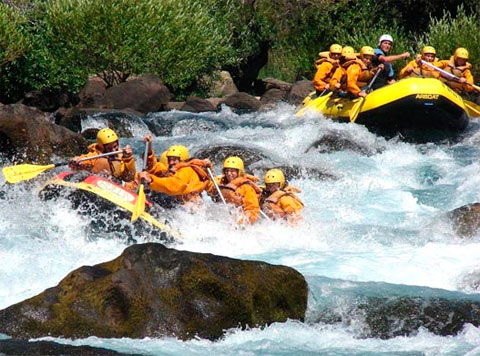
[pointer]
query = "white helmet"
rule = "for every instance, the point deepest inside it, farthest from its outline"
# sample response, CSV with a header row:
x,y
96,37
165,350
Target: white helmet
x,y
385,38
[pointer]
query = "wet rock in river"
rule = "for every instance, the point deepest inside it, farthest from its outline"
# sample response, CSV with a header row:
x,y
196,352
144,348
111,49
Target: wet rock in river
x,y
153,291
334,141
217,154
242,103
384,310
29,348
466,219
27,134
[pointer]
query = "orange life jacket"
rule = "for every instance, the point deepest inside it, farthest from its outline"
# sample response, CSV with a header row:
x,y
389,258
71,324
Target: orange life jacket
x,y
425,71
460,72
186,182
200,168
119,168
198,165
289,208
229,189
325,69
325,56
457,70
277,195
366,73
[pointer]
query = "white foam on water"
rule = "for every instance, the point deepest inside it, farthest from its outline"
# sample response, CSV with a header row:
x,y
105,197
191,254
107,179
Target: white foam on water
x,y
380,218
295,338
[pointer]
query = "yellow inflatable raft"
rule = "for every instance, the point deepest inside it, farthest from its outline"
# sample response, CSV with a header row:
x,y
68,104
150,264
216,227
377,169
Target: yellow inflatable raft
x,y
413,107
101,194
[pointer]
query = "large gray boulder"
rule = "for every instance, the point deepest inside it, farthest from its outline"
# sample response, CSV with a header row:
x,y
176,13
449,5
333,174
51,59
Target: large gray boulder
x,y
221,84
153,291
272,83
94,95
49,100
196,104
242,103
144,94
272,97
28,134
299,91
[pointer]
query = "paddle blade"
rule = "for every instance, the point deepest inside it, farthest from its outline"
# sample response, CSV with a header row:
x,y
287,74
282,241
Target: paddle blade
x,y
473,110
21,172
322,101
355,110
308,98
139,207
315,105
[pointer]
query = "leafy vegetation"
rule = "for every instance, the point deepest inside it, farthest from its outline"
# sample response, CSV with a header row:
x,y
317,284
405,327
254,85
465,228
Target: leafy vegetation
x,y
14,39
448,33
58,44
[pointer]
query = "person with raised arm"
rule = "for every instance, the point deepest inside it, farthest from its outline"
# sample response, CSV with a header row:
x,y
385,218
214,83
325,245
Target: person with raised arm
x,y
120,166
382,56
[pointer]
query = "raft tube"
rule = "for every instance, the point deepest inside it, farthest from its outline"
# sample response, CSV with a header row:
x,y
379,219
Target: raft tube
x,y
413,107
93,194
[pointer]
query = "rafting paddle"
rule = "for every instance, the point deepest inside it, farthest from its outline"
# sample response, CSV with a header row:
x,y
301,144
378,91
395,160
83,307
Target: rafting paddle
x,y
450,75
308,98
139,206
216,185
316,104
21,172
473,109
355,110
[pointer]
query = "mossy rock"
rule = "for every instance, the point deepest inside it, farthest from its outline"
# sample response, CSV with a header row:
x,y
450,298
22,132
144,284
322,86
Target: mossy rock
x,y
153,291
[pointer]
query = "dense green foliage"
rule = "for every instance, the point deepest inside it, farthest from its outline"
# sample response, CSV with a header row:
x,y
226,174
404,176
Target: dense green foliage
x,y
13,37
448,33
314,25
58,44
178,40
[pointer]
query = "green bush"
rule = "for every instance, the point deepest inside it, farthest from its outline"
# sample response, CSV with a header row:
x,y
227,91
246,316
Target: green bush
x,y
72,39
14,39
58,44
369,35
448,33
319,24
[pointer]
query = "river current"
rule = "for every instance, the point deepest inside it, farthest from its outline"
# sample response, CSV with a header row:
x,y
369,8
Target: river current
x,y
379,226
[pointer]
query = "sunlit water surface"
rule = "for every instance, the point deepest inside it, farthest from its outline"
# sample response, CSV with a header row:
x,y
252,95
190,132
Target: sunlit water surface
x,y
379,224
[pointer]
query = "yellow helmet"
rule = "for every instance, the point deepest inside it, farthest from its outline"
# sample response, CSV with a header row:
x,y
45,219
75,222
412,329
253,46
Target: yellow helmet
x,y
178,151
366,50
429,50
336,48
275,176
163,157
235,163
106,136
461,53
347,51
